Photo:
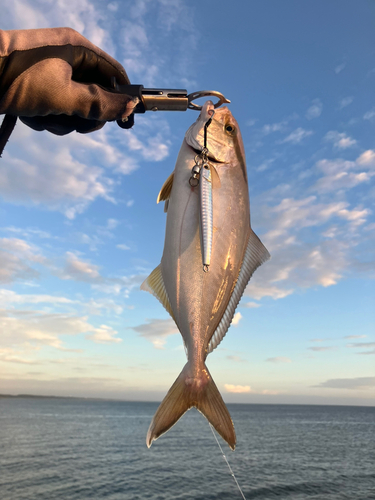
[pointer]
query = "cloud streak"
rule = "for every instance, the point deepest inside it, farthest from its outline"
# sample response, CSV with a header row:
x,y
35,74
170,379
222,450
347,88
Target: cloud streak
x,y
156,331
339,140
237,389
315,110
297,136
279,359
361,383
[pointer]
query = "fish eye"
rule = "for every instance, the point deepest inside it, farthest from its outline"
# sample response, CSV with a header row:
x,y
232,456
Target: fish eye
x,y
230,129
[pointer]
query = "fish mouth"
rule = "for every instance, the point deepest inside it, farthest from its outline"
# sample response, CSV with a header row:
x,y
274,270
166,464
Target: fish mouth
x,y
209,156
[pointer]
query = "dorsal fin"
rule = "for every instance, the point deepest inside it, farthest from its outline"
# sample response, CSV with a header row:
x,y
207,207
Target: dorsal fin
x,y
256,253
165,191
155,285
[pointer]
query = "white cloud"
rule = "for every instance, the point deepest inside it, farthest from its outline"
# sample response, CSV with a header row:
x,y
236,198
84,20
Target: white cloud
x,y
65,184
369,115
157,331
27,16
278,126
27,329
265,165
297,136
122,246
104,335
340,140
16,359
340,68
315,110
95,306
346,101
279,359
79,269
8,297
82,270
257,290
349,383
155,148
361,345
367,352
236,359
81,16
29,232
322,348
146,61
112,224
274,127
343,174
17,260
236,319
367,158
305,253
237,389
113,6
251,305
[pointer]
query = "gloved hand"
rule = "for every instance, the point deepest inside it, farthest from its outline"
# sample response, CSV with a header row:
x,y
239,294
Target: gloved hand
x,y
55,79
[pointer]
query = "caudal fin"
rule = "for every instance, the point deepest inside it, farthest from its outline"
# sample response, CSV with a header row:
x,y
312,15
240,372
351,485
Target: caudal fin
x,y
186,393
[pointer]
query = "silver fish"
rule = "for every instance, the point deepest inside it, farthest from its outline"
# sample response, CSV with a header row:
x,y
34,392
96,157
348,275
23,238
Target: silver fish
x,y
203,303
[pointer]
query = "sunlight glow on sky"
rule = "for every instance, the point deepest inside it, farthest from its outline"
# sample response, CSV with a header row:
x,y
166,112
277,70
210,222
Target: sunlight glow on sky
x,y
80,229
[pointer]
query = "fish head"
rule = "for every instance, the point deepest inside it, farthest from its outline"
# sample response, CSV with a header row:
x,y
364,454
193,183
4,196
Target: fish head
x,y
224,141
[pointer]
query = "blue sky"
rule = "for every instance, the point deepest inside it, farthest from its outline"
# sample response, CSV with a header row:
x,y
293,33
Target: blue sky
x,y
80,229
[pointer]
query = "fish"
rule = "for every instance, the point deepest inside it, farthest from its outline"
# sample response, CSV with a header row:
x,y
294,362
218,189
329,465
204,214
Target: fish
x,y
203,304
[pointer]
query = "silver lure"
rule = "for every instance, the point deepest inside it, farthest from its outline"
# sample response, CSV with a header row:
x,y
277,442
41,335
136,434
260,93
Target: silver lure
x,y
206,214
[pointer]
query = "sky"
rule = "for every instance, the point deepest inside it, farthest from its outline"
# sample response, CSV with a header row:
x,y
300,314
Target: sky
x,y
80,229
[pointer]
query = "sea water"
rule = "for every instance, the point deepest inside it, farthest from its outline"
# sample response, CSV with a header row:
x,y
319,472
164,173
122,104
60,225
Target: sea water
x,y
73,449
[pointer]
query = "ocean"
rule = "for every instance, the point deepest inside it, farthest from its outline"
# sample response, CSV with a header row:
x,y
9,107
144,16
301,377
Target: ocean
x,y
76,449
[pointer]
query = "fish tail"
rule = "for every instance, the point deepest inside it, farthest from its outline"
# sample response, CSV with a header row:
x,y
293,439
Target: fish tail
x,y
188,392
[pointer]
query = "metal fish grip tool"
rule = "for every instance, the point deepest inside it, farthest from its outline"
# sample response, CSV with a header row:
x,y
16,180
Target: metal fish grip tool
x,y
163,100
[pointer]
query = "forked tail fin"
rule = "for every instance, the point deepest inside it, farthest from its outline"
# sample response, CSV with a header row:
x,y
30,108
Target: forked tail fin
x,y
186,393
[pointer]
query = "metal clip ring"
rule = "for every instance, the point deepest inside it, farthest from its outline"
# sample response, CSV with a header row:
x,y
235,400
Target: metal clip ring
x,y
198,160
206,93
193,181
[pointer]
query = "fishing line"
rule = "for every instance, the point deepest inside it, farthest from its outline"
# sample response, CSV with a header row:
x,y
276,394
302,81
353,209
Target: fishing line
x,y
225,458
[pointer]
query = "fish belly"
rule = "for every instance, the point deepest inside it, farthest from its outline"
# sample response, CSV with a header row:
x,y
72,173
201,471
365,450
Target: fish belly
x,y
199,299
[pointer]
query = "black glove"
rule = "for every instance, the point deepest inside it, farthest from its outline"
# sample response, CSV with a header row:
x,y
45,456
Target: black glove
x,y
55,79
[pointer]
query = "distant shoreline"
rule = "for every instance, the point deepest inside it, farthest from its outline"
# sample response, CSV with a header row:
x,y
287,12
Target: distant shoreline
x,y
39,396
83,398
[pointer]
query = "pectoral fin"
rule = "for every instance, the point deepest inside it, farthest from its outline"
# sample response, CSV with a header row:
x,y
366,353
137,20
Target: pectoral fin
x,y
155,285
256,253
216,183
165,191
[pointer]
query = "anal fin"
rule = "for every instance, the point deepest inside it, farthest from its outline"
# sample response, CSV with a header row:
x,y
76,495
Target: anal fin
x,y
256,253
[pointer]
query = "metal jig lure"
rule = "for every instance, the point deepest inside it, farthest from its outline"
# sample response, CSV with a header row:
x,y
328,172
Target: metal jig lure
x,y
201,174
